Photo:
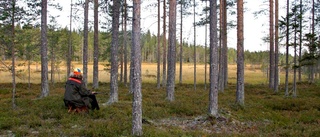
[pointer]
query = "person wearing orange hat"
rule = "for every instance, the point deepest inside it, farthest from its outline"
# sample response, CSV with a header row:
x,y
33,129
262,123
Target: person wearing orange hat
x,y
77,97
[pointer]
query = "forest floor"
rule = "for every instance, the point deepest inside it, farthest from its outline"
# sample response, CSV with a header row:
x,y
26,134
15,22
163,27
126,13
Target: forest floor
x,y
265,113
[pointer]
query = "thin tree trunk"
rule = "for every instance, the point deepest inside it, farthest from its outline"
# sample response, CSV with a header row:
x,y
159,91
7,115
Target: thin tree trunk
x,y
287,53
44,47
171,50
214,70
121,47
240,55
70,44
312,43
158,48
85,43
114,54
125,75
224,49
271,68
295,57
194,46
95,83
225,45
136,71
300,42
164,70
13,71
276,49
205,52
181,42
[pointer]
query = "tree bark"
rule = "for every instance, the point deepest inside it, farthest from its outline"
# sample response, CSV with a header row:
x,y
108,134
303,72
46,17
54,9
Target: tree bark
x,y
44,49
295,57
171,50
214,67
300,40
194,46
136,71
181,42
121,46
225,44
114,53
13,71
125,75
240,55
158,48
271,68
287,53
70,44
205,51
95,83
85,44
164,44
224,49
276,48
312,43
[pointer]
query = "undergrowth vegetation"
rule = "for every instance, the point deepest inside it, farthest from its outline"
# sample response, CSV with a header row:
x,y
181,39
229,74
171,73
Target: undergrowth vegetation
x,y
265,113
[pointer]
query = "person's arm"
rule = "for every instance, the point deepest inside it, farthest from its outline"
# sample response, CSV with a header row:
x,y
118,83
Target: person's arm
x,y
84,91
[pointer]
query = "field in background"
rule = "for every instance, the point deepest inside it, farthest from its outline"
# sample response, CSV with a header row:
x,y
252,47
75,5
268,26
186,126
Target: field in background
x,y
253,74
265,113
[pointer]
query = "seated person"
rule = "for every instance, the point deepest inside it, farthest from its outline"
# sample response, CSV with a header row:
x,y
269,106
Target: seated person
x,y
76,97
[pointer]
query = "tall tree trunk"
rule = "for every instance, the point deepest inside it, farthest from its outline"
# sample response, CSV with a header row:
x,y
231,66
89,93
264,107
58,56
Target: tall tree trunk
x,y
312,43
287,53
85,44
164,70
205,52
223,75
276,48
194,46
271,68
181,42
95,83
121,46
70,44
300,41
225,44
295,56
125,75
136,71
44,48
114,53
220,80
171,50
13,70
214,70
240,55
158,48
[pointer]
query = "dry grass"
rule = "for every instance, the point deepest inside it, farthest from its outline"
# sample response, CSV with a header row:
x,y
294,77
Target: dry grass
x,y
253,74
